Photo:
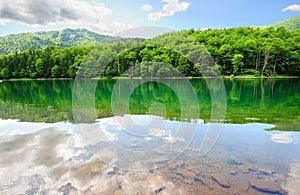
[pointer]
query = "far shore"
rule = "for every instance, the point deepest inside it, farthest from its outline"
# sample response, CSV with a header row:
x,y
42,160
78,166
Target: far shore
x,y
154,78
260,77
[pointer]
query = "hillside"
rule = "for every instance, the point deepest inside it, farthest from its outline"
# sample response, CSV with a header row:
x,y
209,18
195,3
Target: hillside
x,y
290,24
40,40
80,37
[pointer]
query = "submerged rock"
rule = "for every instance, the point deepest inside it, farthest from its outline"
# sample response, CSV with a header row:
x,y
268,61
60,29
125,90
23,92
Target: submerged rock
x,y
266,172
161,160
221,180
267,187
244,169
234,172
176,164
199,181
67,189
186,174
173,166
232,161
119,192
159,190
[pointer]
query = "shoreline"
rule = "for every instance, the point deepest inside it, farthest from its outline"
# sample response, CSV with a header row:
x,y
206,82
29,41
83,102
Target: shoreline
x,y
152,78
260,77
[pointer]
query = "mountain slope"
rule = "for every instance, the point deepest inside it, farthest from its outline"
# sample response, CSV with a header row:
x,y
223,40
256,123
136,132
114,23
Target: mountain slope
x,y
78,37
40,40
290,24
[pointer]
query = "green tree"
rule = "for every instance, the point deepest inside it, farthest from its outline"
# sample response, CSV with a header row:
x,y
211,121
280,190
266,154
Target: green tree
x,y
55,71
5,73
39,67
237,63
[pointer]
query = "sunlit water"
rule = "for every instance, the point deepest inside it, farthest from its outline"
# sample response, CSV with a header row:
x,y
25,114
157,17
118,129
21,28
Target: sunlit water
x,y
43,150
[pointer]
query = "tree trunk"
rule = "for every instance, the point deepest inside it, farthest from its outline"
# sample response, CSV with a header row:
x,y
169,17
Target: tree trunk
x,y
267,54
258,59
275,63
118,64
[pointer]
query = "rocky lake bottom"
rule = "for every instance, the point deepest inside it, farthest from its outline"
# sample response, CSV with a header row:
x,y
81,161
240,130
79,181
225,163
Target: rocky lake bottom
x,y
41,158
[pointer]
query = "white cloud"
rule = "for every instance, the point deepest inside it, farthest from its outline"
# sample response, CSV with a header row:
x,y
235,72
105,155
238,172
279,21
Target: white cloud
x,y
174,6
147,7
294,7
3,21
156,16
169,9
45,14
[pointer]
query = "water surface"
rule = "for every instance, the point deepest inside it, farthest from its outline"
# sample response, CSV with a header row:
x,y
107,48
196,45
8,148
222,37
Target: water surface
x,y
43,150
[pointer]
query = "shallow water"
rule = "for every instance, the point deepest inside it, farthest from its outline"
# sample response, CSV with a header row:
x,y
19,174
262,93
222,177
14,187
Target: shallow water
x,y
49,158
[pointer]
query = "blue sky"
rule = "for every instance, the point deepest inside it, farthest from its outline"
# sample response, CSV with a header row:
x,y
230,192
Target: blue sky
x,y
112,16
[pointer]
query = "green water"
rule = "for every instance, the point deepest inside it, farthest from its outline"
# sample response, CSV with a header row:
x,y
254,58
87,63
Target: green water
x,y
270,101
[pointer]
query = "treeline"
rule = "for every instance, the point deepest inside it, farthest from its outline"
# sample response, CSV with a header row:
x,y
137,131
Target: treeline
x,y
240,51
49,63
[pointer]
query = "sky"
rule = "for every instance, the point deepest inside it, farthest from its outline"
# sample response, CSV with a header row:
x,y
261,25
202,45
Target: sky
x,y
113,16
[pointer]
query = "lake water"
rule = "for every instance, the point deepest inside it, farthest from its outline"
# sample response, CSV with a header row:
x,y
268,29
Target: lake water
x,y
150,137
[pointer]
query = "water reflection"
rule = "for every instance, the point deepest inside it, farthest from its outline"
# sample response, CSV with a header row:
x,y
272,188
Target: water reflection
x,y
293,180
136,147
41,158
265,101
282,138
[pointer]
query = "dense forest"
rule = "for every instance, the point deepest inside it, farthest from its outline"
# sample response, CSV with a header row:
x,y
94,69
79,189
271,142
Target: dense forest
x,y
41,40
237,51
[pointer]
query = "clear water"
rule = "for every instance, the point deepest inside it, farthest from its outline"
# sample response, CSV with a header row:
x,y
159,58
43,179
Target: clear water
x,y
152,147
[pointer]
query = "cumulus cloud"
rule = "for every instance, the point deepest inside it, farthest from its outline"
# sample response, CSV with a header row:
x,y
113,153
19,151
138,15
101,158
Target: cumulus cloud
x,y
294,7
43,14
147,7
156,16
169,9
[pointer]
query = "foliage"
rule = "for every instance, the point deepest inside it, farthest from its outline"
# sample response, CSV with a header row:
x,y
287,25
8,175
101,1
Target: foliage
x,y
237,63
235,51
41,40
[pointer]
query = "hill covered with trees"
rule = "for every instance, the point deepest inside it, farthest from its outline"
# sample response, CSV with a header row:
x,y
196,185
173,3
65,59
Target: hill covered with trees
x,y
237,51
81,37
290,24
41,40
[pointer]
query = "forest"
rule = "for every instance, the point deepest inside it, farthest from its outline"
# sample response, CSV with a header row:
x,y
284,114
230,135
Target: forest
x,y
43,39
236,51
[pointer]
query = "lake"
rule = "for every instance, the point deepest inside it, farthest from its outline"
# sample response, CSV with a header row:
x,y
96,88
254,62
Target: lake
x,y
169,136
